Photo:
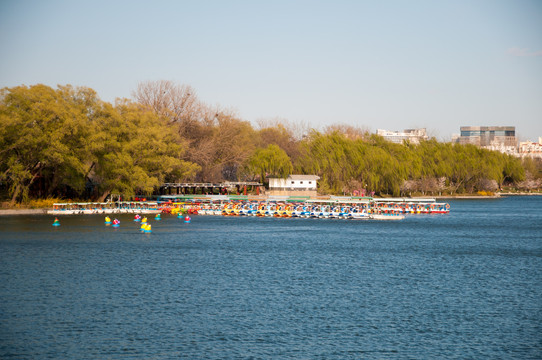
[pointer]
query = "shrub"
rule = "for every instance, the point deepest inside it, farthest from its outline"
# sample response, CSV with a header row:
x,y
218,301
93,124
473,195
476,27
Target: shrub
x,y
43,203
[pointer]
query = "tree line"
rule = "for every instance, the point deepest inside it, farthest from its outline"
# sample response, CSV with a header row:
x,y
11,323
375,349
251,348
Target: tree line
x,y
67,143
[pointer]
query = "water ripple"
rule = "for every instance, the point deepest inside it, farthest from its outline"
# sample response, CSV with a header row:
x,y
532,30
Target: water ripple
x,y
463,285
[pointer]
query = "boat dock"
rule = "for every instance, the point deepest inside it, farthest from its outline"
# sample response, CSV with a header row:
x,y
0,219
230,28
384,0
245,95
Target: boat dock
x,y
333,207
361,208
119,207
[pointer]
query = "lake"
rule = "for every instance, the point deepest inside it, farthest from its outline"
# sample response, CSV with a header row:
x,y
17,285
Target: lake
x,y
463,285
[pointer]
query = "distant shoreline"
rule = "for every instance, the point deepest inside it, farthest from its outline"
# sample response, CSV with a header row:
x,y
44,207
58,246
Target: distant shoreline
x,y
496,196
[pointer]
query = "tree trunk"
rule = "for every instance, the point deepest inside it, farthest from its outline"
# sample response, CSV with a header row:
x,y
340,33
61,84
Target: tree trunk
x,y
104,195
53,185
18,189
89,170
15,194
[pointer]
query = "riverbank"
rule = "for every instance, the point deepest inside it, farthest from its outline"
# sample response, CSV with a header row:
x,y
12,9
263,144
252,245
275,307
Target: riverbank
x,y
23,212
496,196
460,197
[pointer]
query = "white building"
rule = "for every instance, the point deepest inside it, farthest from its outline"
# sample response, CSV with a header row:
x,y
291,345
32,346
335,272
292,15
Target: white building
x,y
531,149
294,185
412,135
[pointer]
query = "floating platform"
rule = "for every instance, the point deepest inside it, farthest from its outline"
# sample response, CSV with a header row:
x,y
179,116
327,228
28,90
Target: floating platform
x,y
124,207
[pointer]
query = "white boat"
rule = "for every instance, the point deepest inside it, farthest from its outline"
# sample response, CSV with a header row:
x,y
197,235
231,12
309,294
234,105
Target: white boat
x,y
358,216
104,208
386,217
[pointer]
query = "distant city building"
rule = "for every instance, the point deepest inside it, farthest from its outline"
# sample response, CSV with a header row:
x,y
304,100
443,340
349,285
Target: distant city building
x,y
412,135
294,185
499,138
531,149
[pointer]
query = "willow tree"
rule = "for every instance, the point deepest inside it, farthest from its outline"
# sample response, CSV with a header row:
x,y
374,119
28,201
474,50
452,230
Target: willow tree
x,y
66,137
514,169
329,156
271,161
43,135
135,150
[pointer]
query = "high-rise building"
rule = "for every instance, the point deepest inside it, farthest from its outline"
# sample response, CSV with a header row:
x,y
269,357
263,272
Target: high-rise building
x,y
500,138
488,135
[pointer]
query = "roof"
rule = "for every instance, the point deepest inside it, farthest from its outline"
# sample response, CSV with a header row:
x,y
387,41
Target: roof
x,y
303,177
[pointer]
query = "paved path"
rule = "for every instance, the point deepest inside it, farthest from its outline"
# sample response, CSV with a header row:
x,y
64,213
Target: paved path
x,y
23,212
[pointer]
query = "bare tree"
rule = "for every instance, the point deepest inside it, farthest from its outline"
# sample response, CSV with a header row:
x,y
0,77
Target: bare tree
x,y
281,133
296,130
429,185
410,186
178,103
349,131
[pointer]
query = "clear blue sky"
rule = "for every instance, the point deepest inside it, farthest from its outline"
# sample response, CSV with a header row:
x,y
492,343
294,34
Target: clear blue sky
x,y
378,64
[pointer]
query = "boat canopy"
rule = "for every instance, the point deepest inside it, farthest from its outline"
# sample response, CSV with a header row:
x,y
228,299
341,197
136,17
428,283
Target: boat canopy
x,y
340,201
405,200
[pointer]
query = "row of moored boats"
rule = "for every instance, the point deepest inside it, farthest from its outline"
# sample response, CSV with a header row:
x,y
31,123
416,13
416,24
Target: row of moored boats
x,y
348,210
354,209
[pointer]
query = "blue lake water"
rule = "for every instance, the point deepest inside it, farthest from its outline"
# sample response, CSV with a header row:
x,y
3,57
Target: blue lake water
x,y
463,285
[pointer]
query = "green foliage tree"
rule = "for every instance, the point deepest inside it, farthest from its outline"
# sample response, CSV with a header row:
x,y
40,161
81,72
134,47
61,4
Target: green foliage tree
x,y
513,170
58,141
383,167
65,137
270,161
135,150
43,136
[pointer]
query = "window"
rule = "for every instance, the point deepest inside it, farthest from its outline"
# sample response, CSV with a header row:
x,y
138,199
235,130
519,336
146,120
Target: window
x,y
310,182
292,182
301,182
471,133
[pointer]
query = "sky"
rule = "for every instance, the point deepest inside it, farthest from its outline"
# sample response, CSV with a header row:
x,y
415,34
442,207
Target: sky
x,y
390,64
